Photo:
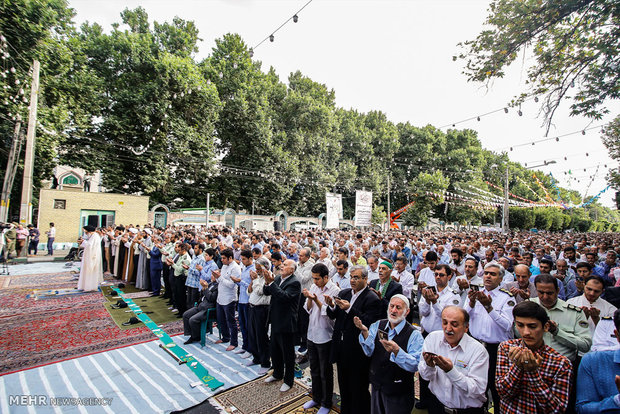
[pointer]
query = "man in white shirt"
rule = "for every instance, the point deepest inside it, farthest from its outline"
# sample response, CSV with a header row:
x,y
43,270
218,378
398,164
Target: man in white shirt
x,y
402,276
320,330
426,277
431,304
455,364
304,275
326,260
591,302
51,235
490,311
259,316
227,277
435,298
463,283
373,268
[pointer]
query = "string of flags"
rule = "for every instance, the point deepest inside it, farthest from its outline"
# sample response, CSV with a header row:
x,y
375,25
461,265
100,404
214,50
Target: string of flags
x,y
528,186
547,196
593,199
449,196
527,202
557,190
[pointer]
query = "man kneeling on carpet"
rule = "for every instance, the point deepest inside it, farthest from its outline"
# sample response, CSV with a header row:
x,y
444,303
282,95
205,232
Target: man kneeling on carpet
x,y
193,318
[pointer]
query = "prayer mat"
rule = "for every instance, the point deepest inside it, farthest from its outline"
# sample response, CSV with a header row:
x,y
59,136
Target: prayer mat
x,y
107,290
55,293
258,397
297,407
155,308
137,295
32,339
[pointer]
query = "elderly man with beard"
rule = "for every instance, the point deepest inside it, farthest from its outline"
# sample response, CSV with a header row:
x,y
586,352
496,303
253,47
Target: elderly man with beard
x,y
385,287
394,347
455,365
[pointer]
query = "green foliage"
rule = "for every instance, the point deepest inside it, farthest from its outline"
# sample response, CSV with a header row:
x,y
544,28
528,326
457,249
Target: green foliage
x,y
378,215
573,43
418,214
135,104
611,139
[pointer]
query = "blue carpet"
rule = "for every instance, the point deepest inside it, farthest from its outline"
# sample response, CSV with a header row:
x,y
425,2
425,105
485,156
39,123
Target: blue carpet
x,y
138,379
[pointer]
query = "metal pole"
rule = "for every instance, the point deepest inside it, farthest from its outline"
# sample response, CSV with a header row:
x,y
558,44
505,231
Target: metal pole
x,y
207,211
505,226
12,162
25,211
389,221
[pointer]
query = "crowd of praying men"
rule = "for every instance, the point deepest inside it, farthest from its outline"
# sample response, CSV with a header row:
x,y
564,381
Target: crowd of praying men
x,y
524,322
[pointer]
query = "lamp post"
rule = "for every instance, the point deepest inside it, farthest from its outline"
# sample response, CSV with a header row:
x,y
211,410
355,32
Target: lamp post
x,y
505,225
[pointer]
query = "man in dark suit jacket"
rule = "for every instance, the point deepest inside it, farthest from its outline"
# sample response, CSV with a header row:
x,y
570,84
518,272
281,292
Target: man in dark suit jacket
x,y
193,317
284,290
385,287
156,266
353,364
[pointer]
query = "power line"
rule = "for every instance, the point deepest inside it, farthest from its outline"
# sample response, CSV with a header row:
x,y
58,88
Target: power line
x,y
294,18
556,138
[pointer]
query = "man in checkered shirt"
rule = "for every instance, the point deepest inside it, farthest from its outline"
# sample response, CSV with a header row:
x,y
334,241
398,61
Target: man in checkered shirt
x,y
531,377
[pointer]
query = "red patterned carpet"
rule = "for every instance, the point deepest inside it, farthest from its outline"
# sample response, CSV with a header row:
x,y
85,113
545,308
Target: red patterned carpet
x,y
35,332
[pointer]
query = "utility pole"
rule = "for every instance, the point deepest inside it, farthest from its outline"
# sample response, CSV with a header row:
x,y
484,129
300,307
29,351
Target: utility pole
x,y
505,226
11,168
207,211
25,211
389,222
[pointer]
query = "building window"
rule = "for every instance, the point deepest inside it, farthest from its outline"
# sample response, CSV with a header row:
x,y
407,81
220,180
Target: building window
x,y
71,180
60,204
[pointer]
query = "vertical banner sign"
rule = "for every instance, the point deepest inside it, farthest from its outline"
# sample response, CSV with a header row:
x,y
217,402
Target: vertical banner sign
x,y
363,208
334,210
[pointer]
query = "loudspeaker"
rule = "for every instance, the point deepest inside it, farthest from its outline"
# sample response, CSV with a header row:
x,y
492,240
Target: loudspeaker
x,y
277,226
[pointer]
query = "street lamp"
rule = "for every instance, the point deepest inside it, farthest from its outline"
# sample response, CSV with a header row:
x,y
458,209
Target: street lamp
x,y
505,226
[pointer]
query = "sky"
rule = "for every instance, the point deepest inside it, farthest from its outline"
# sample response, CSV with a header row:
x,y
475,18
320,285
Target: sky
x,y
395,57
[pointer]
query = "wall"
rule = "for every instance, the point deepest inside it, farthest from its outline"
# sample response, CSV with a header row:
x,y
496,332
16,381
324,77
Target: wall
x,y
127,209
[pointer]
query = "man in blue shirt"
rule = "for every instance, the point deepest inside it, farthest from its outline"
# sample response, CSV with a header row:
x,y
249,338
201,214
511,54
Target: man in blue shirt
x,y
603,269
598,381
192,283
209,265
244,304
394,347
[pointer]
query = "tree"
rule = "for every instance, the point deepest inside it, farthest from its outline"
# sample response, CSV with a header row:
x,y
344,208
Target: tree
x,y
143,113
378,216
33,30
425,183
611,139
574,45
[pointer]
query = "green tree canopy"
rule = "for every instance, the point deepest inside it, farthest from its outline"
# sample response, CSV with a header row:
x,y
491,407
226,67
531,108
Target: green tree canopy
x,y
573,45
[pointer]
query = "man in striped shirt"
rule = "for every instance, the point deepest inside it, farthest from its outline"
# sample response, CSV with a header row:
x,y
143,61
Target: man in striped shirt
x,y
531,377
